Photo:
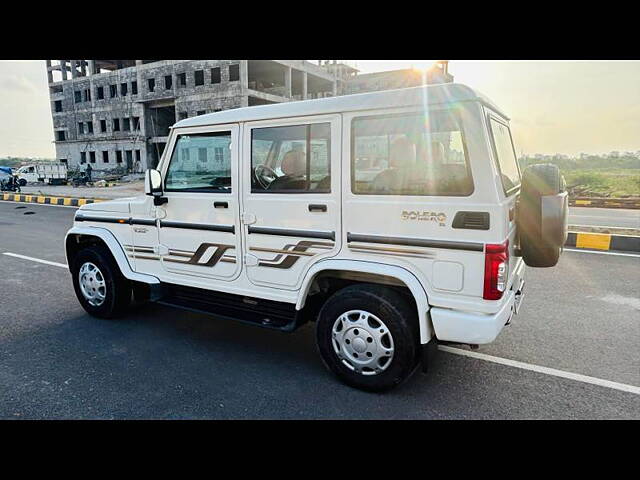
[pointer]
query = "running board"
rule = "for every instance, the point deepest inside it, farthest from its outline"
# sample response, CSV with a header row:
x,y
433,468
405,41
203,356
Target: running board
x,y
255,311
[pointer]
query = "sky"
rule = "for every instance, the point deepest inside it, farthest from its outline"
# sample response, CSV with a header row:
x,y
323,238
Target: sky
x,y
564,107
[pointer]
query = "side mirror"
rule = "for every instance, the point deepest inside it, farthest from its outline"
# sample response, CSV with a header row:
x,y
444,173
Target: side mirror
x,y
153,186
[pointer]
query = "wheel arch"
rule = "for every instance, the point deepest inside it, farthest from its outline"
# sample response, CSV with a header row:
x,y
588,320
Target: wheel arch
x,y
376,273
78,237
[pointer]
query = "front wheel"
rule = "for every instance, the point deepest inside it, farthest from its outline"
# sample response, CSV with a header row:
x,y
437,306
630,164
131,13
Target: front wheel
x,y
368,336
99,285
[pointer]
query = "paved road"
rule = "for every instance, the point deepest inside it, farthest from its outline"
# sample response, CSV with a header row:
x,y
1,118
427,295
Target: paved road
x,y
57,362
608,217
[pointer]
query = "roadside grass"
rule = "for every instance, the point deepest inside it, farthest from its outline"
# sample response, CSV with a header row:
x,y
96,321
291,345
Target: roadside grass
x,y
616,183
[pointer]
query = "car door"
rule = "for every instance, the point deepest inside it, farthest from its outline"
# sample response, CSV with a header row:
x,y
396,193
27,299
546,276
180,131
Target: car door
x,y
199,225
291,200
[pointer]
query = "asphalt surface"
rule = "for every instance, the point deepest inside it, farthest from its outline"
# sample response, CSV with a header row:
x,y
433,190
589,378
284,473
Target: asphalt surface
x,y
57,362
606,217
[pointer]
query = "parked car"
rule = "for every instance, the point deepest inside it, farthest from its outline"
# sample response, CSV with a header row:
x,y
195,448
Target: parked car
x,y
393,220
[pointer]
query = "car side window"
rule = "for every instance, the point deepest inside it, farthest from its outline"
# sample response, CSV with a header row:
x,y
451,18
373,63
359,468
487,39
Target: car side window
x,y
291,159
200,162
506,155
409,154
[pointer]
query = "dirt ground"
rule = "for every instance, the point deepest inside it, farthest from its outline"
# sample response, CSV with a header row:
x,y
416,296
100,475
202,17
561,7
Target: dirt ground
x,y
118,191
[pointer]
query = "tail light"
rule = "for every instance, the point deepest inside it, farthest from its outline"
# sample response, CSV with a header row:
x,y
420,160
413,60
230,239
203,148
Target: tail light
x,y
496,270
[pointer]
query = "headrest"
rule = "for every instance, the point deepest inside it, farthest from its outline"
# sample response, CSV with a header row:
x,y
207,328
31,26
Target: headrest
x,y
402,153
294,164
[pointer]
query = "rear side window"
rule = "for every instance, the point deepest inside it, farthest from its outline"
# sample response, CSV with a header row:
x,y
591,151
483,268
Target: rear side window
x,y
506,156
200,163
409,154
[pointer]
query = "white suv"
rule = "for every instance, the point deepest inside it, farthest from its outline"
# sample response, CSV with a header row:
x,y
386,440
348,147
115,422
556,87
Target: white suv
x,y
392,219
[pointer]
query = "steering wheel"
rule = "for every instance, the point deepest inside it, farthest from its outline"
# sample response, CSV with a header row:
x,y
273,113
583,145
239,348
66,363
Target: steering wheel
x,y
264,178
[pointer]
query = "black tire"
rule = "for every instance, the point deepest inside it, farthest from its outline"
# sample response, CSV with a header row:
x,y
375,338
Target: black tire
x,y
22,182
398,314
540,256
118,289
537,181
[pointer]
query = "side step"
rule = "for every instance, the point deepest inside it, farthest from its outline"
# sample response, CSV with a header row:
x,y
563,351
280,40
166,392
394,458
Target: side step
x,y
256,311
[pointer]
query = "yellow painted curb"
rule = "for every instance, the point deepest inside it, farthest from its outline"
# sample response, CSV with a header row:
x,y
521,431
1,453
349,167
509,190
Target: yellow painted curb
x,y
598,241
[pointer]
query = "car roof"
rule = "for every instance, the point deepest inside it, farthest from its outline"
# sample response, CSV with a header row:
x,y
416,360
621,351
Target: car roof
x,y
447,93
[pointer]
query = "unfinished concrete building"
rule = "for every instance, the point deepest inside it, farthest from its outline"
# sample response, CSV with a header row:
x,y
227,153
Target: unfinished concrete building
x,y
117,113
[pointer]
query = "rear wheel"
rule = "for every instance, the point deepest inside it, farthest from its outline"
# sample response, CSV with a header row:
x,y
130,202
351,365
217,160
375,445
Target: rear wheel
x,y
100,287
368,336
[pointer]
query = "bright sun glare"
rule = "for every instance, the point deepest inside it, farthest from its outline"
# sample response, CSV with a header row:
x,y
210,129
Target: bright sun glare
x,y
422,65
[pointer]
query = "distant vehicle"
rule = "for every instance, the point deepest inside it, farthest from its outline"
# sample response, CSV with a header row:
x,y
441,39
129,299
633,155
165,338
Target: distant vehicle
x,y
51,173
8,181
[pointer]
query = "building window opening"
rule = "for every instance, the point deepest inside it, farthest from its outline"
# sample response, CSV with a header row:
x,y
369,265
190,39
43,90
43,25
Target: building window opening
x,y
151,82
198,76
168,82
215,75
234,73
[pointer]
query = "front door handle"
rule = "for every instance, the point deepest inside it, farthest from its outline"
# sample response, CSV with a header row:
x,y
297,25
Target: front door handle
x,y
317,208
220,205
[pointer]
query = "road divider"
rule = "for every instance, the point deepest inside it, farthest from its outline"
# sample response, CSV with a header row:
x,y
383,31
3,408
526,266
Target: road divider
x,y
603,241
48,200
603,202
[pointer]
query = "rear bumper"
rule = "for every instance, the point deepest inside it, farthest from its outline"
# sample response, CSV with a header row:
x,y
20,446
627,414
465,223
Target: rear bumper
x,y
477,328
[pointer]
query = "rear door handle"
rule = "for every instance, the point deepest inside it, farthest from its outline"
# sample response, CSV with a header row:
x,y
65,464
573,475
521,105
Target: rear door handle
x,y
317,208
220,204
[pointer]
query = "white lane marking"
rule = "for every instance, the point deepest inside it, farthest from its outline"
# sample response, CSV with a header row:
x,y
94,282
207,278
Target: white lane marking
x,y
46,262
546,370
601,253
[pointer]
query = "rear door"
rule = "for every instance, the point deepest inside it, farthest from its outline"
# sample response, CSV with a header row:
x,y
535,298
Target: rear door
x,y
408,179
198,234
291,183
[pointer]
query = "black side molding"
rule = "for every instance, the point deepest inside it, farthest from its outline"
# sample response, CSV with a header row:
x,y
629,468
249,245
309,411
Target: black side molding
x,y
415,242
89,218
285,232
142,221
198,226
163,224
